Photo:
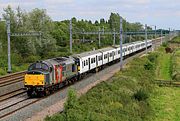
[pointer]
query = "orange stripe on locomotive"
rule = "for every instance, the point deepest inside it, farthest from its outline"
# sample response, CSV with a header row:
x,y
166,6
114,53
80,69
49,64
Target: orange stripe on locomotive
x,y
58,73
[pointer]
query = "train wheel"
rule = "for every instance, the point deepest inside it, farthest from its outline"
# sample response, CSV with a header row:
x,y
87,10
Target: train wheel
x,y
47,92
29,93
41,93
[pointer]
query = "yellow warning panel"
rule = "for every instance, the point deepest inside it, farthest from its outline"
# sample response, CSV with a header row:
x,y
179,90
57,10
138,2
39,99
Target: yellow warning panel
x,y
34,80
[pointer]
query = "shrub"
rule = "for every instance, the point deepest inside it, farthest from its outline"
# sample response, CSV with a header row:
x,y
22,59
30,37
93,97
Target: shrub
x,y
148,65
71,100
141,95
2,72
16,59
32,58
152,57
165,44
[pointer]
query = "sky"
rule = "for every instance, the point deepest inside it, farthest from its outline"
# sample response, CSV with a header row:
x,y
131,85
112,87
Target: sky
x,y
164,14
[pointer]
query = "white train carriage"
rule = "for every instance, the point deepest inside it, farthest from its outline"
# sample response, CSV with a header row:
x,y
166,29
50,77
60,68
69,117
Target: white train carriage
x,y
136,46
149,43
88,60
143,45
118,53
130,48
108,54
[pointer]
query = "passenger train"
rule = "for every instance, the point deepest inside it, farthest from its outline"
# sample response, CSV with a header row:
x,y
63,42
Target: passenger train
x,y
43,77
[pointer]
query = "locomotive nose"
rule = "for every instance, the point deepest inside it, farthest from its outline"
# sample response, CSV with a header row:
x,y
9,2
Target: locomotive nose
x,y
32,80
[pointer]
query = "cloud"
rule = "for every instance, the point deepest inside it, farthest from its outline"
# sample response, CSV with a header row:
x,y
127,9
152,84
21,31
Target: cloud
x,y
145,11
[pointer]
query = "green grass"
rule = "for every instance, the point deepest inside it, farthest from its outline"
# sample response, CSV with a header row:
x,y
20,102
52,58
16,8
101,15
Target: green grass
x,y
176,65
163,71
165,104
176,39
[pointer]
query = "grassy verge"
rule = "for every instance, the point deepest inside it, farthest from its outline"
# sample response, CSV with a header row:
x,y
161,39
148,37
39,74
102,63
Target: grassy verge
x,y
124,97
165,104
176,66
165,100
176,39
164,67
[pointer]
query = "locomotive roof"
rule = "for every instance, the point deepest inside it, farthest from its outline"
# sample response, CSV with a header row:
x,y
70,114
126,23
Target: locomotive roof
x,y
60,60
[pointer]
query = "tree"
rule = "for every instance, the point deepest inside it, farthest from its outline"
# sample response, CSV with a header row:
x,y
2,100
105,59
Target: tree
x,y
96,22
102,21
114,21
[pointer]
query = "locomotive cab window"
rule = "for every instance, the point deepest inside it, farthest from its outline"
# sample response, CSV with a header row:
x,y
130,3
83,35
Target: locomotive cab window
x,y
39,66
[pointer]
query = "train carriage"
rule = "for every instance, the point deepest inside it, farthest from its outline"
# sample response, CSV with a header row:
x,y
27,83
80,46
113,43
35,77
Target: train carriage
x,y
88,60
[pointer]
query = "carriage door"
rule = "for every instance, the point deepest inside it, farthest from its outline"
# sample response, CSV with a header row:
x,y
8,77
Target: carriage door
x,y
113,54
108,56
96,61
89,63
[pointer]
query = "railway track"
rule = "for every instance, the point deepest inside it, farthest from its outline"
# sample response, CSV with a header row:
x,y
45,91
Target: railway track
x,y
16,105
11,78
12,94
167,83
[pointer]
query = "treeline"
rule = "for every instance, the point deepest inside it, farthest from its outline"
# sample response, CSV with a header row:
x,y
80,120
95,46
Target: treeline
x,y
55,35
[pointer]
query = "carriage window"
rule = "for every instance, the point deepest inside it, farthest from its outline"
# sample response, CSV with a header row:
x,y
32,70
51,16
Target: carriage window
x,y
111,54
86,62
100,58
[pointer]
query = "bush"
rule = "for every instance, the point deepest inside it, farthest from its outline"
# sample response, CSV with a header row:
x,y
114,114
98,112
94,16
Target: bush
x,y
141,95
2,72
165,44
16,59
152,57
71,100
148,65
32,58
